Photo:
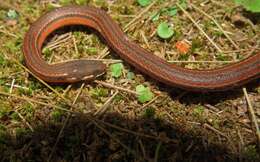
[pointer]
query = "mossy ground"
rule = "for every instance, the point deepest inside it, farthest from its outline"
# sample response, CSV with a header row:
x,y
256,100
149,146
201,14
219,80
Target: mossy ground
x,y
37,123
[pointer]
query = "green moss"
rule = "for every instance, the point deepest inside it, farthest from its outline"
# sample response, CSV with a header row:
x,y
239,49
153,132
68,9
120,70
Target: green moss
x,y
56,115
221,57
196,44
28,111
3,137
118,98
99,92
198,111
5,109
251,153
20,132
149,113
23,91
15,116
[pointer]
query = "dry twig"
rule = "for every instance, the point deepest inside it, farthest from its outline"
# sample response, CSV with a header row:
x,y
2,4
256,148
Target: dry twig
x,y
200,29
252,114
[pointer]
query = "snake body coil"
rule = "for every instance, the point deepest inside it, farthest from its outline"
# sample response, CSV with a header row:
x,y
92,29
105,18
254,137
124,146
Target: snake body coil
x,y
78,70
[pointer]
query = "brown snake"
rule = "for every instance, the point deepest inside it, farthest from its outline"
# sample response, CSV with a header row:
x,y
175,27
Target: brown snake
x,y
220,79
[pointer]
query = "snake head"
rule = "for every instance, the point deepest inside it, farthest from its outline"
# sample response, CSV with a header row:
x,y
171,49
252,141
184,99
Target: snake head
x,y
83,70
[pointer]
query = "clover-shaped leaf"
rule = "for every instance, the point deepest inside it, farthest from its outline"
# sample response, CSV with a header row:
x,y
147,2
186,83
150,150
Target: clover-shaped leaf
x,y
116,70
144,94
164,31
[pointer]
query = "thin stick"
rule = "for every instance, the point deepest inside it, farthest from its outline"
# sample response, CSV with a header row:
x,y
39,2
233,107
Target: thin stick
x,y
115,87
137,17
61,39
150,102
127,26
214,130
108,61
34,101
43,82
157,152
218,3
252,113
201,30
145,38
221,29
142,147
75,45
24,120
199,62
112,137
5,5
8,33
106,105
135,133
17,86
65,123
12,86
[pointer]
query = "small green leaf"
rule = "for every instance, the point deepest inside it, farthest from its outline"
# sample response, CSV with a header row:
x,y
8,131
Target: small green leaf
x,y
183,4
130,75
116,69
164,31
144,94
172,11
155,16
144,3
12,14
250,5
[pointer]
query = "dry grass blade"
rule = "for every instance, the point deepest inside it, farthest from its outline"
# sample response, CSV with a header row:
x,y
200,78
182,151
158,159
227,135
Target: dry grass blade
x,y
128,26
200,62
214,130
34,101
157,151
64,124
115,87
114,138
200,29
106,105
43,82
219,26
6,5
137,17
136,133
252,114
6,32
